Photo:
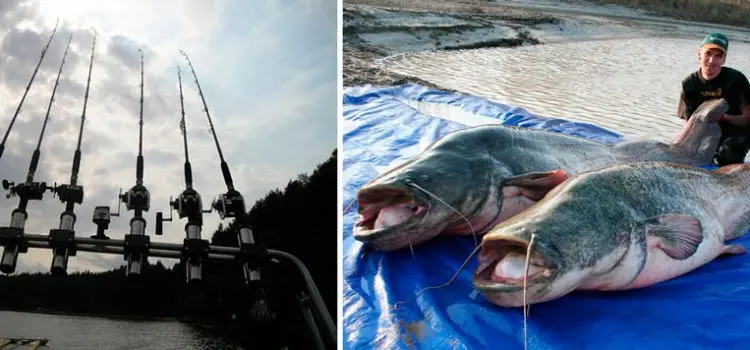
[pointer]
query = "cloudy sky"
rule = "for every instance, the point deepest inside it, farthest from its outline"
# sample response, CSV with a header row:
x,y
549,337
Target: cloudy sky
x,y
267,68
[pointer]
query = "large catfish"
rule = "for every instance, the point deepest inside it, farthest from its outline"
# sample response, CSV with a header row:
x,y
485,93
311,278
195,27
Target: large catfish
x,y
622,227
474,178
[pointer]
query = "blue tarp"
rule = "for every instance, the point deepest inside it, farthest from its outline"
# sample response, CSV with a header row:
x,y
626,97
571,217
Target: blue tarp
x,y
708,308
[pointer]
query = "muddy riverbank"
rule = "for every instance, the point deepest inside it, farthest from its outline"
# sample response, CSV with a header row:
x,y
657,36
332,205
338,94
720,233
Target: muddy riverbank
x,y
376,29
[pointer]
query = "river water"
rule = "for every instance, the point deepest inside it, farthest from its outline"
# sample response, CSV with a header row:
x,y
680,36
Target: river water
x,y
78,333
630,86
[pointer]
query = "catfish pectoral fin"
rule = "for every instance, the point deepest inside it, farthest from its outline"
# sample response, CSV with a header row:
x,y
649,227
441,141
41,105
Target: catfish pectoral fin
x,y
678,235
536,185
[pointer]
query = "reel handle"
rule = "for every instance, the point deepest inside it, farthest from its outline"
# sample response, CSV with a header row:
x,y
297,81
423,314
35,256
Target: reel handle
x,y
159,230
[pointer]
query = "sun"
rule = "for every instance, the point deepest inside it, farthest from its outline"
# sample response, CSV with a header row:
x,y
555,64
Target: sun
x,y
106,17
81,12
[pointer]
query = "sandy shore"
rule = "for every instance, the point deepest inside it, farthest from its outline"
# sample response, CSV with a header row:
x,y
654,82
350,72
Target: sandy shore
x,y
376,29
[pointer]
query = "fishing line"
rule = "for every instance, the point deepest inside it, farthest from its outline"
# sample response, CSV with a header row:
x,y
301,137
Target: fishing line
x,y
408,182
526,307
395,306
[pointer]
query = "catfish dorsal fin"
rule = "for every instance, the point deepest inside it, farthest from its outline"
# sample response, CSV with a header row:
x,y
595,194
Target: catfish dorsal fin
x,y
678,235
536,185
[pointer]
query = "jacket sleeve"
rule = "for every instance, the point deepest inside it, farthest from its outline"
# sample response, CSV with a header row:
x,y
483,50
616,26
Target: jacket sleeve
x,y
743,87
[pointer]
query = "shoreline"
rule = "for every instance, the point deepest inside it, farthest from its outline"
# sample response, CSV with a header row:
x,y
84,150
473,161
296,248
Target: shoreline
x,y
104,316
376,30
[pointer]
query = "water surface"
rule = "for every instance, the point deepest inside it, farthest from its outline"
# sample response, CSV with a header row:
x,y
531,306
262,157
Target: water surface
x,y
631,86
80,332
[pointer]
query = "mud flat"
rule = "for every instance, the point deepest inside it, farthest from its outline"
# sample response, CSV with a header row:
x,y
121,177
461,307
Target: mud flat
x,y
378,29
375,29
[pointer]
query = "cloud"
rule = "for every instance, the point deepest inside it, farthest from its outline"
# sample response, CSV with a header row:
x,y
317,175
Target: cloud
x,y
268,73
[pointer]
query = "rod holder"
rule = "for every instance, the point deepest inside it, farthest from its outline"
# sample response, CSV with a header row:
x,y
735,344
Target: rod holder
x,y
194,253
12,239
63,245
136,247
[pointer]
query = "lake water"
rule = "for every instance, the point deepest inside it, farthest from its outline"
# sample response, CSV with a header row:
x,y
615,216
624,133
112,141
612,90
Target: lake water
x,y
78,332
630,86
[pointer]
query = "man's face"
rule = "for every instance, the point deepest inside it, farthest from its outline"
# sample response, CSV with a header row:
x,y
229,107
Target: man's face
x,y
711,60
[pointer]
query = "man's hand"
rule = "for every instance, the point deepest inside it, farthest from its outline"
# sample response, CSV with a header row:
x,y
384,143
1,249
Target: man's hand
x,y
737,120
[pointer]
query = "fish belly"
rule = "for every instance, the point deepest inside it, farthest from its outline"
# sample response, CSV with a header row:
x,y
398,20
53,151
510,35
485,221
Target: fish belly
x,y
660,267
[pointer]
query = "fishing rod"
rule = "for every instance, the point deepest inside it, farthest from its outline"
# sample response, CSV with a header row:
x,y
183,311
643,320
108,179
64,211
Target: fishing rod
x,y
137,199
12,236
232,205
229,204
62,238
28,86
188,204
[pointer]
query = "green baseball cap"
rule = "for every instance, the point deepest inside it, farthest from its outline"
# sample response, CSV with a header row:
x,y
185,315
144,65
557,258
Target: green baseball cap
x,y
716,41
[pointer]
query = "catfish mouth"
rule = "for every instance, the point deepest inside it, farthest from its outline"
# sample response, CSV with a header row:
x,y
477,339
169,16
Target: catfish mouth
x,y
714,109
701,133
502,266
386,209
709,112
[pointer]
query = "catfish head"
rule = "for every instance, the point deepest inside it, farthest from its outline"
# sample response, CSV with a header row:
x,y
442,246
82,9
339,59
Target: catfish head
x,y
443,192
579,231
700,136
419,200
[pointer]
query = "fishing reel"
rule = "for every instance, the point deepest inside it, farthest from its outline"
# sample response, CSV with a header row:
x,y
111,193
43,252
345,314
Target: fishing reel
x,y
195,249
137,198
62,239
25,190
137,243
188,203
232,205
229,205
68,193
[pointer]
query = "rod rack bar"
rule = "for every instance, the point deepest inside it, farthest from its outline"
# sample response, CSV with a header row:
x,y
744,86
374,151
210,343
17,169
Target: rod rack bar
x,y
175,251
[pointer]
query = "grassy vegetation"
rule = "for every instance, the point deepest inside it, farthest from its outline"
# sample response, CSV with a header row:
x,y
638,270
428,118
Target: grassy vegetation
x,y
729,12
